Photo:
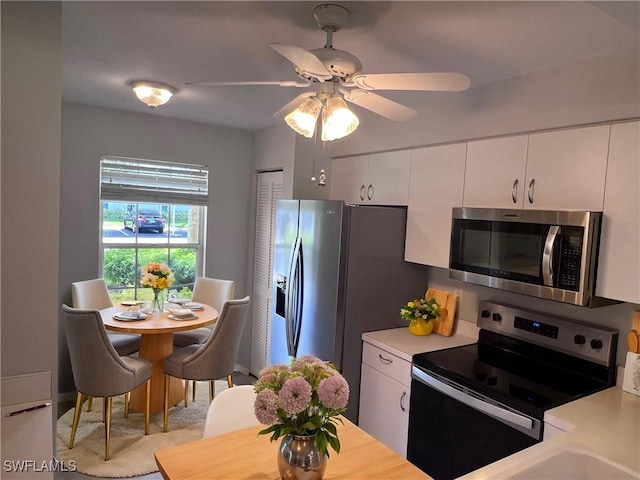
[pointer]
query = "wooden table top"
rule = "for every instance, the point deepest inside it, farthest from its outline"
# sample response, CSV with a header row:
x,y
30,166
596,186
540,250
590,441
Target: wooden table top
x,y
245,455
157,323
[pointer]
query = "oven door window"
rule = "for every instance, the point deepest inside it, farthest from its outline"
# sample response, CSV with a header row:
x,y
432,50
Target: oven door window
x,y
513,251
448,439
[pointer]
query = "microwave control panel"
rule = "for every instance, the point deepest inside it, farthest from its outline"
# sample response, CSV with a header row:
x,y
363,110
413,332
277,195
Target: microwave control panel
x,y
570,258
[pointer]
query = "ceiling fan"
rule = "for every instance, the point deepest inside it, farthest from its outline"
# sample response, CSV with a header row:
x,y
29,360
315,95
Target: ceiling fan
x,y
336,75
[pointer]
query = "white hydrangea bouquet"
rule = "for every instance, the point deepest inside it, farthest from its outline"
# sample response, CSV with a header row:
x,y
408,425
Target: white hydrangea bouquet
x,y
304,398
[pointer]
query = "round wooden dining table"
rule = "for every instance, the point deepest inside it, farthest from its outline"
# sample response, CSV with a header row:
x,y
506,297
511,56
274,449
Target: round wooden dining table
x,y
156,342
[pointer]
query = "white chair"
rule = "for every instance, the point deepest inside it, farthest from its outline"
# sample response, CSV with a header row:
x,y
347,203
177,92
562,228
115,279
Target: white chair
x,y
230,410
213,292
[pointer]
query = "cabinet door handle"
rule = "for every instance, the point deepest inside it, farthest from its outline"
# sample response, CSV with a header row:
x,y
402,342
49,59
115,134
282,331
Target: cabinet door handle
x,y
362,192
404,394
532,183
370,192
385,360
514,191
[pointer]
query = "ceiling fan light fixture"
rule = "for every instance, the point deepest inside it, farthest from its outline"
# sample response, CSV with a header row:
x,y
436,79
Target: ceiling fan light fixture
x,y
152,94
337,120
304,118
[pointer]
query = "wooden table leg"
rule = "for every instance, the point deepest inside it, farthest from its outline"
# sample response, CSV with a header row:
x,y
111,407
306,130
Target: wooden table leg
x,y
154,347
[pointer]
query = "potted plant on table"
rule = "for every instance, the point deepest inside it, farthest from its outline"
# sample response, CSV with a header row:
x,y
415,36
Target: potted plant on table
x,y
302,403
421,314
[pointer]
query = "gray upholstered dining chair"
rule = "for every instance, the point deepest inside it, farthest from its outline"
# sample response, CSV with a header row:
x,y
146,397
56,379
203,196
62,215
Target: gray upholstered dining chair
x,y
98,370
93,294
210,291
213,292
215,358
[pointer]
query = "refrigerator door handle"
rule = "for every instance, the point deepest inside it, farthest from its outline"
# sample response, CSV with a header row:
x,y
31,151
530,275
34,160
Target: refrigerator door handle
x,y
299,298
294,300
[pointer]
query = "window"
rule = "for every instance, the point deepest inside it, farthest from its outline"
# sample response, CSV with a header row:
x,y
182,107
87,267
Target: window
x,y
151,211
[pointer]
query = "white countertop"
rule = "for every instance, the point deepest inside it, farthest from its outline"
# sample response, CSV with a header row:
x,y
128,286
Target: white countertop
x,y
404,344
607,423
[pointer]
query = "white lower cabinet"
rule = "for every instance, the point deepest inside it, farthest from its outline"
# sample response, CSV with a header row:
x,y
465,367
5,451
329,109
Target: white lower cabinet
x,y
384,400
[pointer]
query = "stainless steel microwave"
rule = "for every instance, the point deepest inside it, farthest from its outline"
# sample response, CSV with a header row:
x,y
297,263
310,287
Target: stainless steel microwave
x,y
546,254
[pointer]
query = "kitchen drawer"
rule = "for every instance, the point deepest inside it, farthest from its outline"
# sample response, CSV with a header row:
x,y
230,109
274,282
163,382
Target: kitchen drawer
x,y
387,363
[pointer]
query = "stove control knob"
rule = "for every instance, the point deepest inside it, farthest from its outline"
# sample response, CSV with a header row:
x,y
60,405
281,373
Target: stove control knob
x,y
596,344
497,317
485,313
579,339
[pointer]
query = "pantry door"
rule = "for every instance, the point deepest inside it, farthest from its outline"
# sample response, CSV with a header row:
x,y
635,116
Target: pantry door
x,y
269,191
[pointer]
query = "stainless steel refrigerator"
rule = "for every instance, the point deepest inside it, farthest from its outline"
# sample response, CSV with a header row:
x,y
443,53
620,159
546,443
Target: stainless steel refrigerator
x,y
339,271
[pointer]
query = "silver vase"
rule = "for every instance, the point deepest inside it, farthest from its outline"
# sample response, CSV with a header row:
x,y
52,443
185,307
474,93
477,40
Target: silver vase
x,y
300,459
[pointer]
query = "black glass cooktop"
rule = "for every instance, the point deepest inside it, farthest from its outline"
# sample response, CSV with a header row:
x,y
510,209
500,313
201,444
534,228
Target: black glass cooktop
x,y
523,376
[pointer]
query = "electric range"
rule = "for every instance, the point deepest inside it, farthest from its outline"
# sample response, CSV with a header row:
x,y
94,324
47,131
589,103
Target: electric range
x,y
474,404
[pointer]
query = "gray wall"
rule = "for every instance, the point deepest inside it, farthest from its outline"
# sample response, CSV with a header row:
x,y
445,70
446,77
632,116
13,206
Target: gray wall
x,y
30,187
89,132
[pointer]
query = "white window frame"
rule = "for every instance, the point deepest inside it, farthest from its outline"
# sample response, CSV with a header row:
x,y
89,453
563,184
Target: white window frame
x,y
189,196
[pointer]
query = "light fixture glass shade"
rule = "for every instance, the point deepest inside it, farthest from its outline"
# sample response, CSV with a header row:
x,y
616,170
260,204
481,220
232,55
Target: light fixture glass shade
x,y
152,94
337,120
303,119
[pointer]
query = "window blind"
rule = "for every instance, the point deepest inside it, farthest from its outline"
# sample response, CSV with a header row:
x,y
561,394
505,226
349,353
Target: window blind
x,y
125,179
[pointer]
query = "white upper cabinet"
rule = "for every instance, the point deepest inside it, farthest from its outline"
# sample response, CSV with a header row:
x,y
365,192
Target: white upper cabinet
x,y
348,178
619,259
566,169
376,179
495,174
435,187
560,170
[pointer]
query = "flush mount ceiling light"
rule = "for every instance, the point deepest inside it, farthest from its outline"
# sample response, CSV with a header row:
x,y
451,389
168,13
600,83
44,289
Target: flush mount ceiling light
x,y
152,94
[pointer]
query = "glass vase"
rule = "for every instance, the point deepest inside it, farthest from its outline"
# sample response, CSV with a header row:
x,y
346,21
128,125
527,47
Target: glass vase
x,y
300,459
157,305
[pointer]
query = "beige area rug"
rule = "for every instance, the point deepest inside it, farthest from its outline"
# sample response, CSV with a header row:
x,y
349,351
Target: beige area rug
x,y
131,450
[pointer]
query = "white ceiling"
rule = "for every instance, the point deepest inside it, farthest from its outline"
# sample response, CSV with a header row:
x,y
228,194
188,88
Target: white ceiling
x,y
108,44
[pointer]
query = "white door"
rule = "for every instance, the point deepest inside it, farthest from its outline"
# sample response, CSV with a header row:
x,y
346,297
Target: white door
x,y
269,192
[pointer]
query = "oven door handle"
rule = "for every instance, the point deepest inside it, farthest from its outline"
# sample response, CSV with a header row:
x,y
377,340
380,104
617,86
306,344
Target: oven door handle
x,y
471,401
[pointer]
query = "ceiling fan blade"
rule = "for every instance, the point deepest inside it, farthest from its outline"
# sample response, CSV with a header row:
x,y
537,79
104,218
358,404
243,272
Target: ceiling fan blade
x,y
380,105
283,83
304,61
441,82
289,107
